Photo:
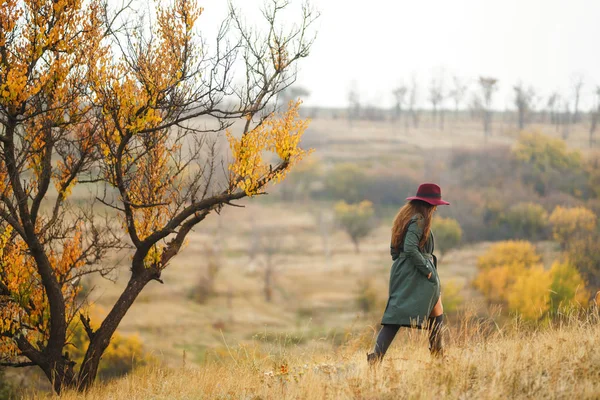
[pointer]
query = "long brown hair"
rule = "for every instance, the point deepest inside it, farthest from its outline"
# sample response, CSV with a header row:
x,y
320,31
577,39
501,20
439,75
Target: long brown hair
x,y
403,218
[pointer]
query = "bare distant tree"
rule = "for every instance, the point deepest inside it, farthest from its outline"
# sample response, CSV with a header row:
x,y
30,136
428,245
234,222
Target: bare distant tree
x,y
293,93
488,87
325,225
436,97
577,84
524,101
353,103
595,116
433,98
267,243
412,102
457,93
399,98
566,119
552,107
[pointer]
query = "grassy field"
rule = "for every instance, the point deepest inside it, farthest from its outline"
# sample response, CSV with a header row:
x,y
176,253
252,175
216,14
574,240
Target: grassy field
x,y
483,362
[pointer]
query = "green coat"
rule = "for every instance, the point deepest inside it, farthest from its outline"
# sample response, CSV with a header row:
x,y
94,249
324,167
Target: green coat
x,y
412,296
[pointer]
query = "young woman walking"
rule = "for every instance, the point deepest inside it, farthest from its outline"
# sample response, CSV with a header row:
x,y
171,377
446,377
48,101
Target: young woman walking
x,y
414,298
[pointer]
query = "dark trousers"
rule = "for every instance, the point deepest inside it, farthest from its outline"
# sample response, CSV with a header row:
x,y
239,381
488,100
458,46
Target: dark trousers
x,y
388,332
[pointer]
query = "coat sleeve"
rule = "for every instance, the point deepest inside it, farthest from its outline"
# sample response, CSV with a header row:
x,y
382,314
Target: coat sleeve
x,y
411,248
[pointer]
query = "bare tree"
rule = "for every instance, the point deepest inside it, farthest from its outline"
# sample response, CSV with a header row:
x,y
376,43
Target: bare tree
x,y
552,108
488,87
117,109
594,116
436,97
412,102
293,93
576,84
325,223
457,93
524,101
566,119
269,246
353,103
399,99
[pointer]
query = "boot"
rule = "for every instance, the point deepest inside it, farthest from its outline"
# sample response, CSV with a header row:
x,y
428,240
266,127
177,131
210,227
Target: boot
x,y
436,344
374,359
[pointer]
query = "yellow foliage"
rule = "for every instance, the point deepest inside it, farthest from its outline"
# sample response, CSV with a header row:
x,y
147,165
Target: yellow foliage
x,y
123,353
529,296
27,304
514,254
567,222
568,287
494,283
543,152
279,135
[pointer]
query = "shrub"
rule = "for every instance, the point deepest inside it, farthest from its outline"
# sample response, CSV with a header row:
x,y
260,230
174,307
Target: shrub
x,y
546,164
302,181
451,296
515,254
205,288
500,266
448,233
494,283
7,390
367,298
123,354
527,221
571,223
350,183
511,273
483,167
355,219
344,182
529,295
568,287
584,254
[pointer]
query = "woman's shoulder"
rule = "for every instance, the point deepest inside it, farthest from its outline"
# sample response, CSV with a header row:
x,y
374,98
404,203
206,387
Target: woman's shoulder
x,y
417,217
418,220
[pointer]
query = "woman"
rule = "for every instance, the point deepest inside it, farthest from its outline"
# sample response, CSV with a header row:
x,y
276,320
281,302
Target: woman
x,y
415,297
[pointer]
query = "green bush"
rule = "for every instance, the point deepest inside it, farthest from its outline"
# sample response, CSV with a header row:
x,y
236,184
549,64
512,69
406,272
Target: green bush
x,y
572,223
448,233
355,219
7,390
350,183
527,221
367,297
344,181
584,254
451,296
547,164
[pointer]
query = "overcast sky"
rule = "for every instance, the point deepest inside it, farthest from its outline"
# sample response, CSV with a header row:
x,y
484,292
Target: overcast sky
x,y
379,43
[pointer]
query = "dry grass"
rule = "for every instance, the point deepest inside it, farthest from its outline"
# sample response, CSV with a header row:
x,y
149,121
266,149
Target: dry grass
x,y
560,361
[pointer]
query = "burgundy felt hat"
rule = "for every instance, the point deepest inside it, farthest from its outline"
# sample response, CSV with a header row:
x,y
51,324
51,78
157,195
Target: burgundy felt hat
x,y
429,193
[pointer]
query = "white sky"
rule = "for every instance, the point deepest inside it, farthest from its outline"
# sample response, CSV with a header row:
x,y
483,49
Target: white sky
x,y
380,43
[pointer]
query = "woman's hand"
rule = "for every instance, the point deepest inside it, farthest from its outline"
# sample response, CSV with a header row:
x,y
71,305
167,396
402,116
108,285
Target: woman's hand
x,y
429,276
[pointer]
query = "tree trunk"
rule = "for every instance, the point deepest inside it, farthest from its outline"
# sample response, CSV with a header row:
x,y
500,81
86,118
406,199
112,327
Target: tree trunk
x,y
101,338
268,290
